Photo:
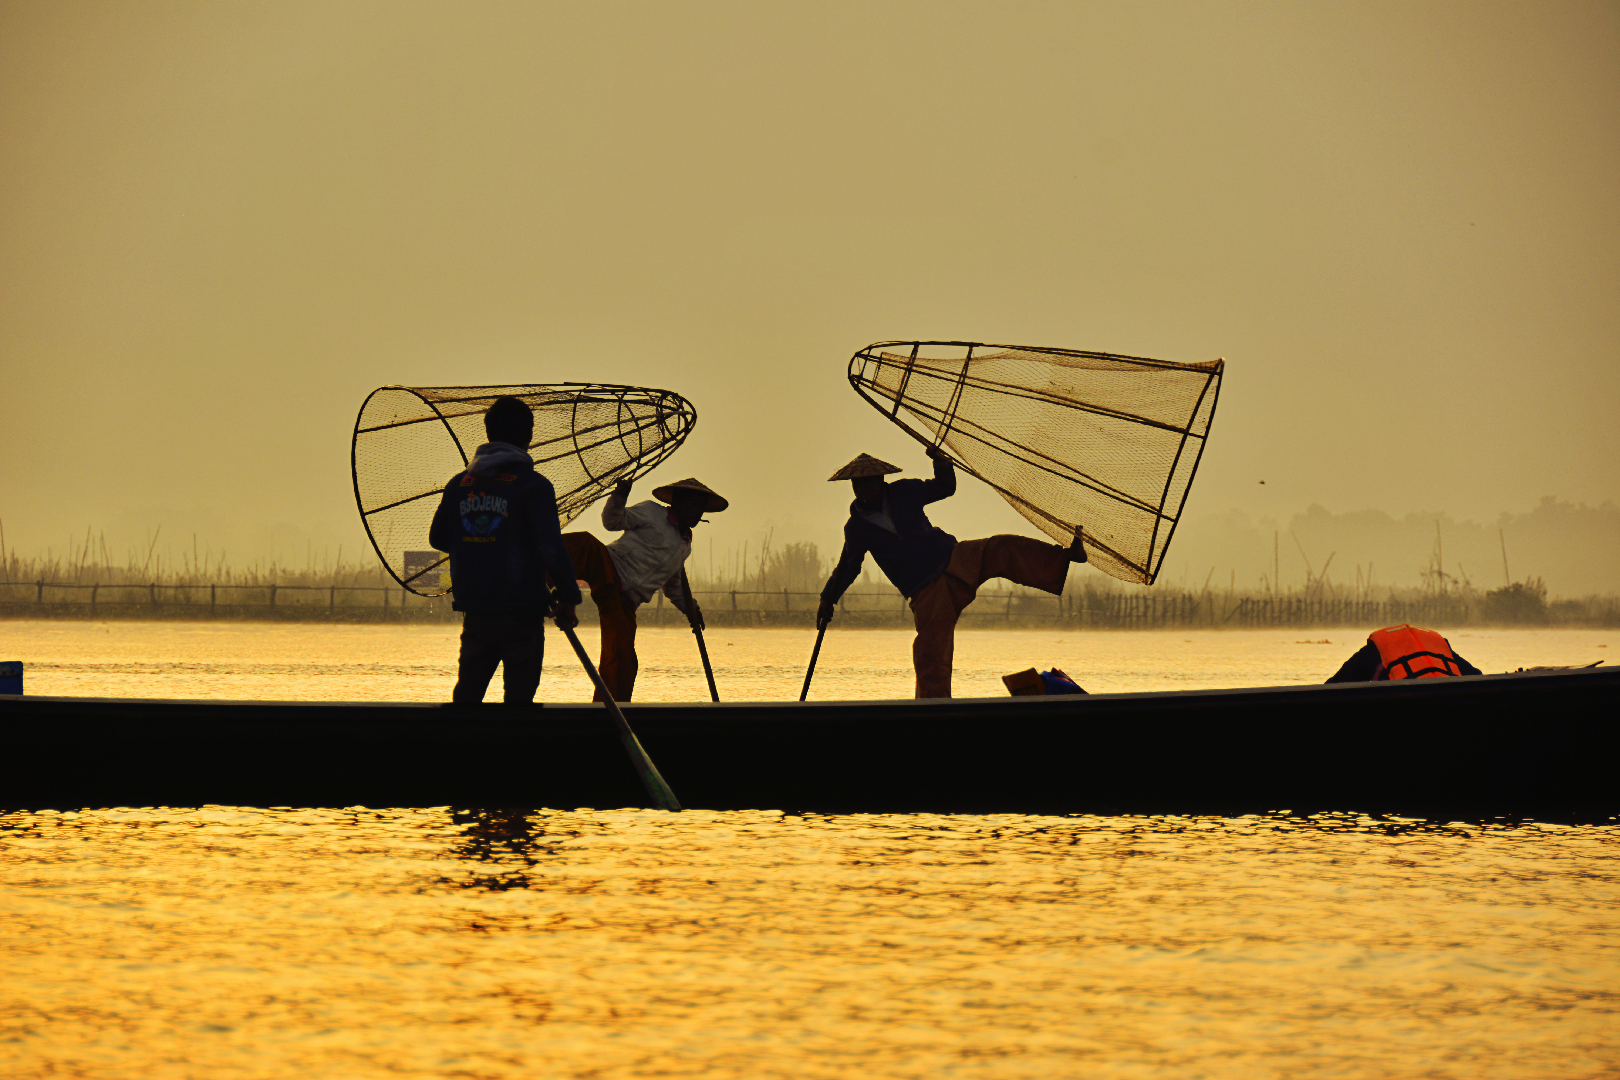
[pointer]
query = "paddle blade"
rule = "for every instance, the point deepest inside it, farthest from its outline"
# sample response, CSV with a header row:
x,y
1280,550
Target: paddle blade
x,y
652,781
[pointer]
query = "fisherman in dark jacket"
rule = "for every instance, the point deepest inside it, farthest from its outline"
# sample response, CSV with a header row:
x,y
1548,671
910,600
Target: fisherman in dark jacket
x,y
939,575
498,523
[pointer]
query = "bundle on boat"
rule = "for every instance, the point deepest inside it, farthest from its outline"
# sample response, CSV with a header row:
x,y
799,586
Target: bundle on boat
x,y
1069,438
409,441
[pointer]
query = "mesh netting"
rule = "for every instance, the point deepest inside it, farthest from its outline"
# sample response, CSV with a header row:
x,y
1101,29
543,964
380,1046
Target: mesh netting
x,y
1068,438
410,440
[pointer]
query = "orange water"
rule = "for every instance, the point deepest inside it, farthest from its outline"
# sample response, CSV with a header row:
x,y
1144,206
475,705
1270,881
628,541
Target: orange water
x,y
282,661
229,942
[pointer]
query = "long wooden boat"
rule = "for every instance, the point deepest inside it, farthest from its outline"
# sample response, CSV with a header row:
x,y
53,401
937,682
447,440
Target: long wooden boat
x,y
1523,745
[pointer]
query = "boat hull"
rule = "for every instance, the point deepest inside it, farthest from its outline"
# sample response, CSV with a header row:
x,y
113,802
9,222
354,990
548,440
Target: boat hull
x,y
1532,745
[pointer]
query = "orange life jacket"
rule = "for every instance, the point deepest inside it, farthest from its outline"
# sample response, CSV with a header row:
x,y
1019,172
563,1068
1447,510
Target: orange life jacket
x,y
1411,652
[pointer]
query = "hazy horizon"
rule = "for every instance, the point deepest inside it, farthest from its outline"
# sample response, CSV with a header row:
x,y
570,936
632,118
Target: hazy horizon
x,y
226,223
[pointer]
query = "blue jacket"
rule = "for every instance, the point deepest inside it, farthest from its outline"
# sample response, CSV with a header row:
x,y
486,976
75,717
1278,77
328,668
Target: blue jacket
x,y
912,556
498,523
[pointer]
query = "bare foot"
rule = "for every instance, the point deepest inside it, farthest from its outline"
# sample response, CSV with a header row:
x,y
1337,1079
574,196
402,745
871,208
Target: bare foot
x,y
1077,549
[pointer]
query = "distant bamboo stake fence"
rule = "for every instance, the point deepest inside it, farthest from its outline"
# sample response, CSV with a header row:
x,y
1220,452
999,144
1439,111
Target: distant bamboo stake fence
x,y
194,596
1076,610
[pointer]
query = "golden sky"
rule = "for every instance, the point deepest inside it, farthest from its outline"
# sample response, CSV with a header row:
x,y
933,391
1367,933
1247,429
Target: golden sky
x,y
222,224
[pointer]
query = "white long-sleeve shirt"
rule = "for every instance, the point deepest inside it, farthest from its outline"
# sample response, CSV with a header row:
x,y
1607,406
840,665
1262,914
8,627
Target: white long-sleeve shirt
x,y
652,551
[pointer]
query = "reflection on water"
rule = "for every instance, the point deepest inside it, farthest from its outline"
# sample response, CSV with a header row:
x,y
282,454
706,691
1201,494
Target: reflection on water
x,y
503,846
250,942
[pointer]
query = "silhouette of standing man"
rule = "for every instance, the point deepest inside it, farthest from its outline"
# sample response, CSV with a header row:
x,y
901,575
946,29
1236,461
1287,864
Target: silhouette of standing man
x,y
498,523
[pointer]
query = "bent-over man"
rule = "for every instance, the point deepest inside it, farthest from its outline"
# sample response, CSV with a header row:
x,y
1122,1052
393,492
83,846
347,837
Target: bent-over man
x,y
498,523
1403,652
649,557
939,575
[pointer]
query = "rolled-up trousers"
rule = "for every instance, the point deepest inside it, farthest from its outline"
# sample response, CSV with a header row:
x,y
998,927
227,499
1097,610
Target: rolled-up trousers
x,y
974,562
514,640
617,663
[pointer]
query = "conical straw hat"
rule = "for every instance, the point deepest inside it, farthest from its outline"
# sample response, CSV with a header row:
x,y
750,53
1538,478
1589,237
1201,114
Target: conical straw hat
x,y
863,465
713,506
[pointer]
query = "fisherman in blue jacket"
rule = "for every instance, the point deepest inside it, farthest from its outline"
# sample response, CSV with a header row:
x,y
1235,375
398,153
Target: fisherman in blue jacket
x,y
498,523
939,575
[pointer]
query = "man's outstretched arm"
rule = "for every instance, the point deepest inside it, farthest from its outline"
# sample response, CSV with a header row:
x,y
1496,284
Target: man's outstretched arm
x,y
679,591
842,577
943,485
613,510
553,555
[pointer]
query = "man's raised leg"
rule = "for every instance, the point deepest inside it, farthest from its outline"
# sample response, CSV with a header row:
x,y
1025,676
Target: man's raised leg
x,y
1019,559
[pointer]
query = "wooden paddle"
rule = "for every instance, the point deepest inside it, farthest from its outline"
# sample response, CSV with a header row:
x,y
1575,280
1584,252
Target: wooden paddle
x,y
703,651
657,790
811,670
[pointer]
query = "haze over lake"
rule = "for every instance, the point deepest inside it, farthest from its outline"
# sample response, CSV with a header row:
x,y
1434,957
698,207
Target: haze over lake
x,y
224,224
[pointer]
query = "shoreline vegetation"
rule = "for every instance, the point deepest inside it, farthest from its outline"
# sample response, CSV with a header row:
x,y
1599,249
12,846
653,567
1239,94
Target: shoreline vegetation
x,y
780,588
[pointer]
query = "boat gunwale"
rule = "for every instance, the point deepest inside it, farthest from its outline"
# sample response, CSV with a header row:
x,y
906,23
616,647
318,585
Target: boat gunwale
x,y
853,709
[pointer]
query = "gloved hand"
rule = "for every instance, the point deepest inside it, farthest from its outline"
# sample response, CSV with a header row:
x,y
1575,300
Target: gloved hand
x,y
824,614
622,489
694,615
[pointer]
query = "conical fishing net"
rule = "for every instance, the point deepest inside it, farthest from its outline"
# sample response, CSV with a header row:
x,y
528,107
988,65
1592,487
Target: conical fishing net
x,y
410,440
1069,438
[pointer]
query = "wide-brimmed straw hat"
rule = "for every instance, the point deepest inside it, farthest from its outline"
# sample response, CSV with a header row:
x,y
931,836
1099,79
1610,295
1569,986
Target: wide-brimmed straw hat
x,y
863,465
667,492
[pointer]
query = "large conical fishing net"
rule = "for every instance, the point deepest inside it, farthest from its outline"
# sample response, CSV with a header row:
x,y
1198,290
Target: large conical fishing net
x,y
410,440
1069,438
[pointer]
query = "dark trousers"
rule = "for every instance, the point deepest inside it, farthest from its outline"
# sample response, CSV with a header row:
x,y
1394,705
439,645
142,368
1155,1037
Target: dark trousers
x,y
514,640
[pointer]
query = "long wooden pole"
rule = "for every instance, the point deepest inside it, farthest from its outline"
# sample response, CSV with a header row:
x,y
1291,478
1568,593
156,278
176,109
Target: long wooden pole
x,y
657,790
703,650
708,672
811,670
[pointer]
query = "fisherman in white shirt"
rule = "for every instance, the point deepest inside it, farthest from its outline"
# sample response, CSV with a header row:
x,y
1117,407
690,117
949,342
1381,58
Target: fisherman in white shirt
x,y
650,557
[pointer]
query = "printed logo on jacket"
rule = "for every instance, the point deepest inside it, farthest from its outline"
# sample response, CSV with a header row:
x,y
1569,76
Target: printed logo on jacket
x,y
481,515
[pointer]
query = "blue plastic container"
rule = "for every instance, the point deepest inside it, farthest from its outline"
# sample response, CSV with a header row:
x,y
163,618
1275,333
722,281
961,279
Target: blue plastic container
x,y
10,676
1059,683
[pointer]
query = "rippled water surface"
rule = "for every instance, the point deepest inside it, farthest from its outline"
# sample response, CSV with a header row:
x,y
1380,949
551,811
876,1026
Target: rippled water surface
x,y
240,942
227,942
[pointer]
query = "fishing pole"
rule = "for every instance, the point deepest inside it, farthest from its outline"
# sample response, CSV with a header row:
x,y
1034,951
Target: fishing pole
x,y
697,632
821,632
